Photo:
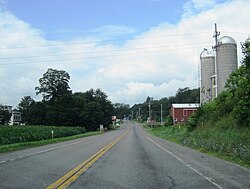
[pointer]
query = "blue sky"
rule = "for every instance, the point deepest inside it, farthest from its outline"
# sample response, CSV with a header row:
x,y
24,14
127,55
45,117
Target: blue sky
x,y
76,16
130,49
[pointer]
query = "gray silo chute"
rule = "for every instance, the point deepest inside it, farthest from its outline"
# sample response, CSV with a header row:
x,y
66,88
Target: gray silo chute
x,y
226,60
207,91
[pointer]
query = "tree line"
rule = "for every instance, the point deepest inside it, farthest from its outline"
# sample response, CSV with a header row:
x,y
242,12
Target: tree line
x,y
61,107
141,111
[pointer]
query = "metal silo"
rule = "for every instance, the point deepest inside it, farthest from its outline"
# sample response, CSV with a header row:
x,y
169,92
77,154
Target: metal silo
x,y
207,72
226,61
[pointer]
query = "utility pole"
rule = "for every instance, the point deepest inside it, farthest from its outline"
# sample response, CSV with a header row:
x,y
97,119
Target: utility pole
x,y
161,116
149,110
216,35
139,113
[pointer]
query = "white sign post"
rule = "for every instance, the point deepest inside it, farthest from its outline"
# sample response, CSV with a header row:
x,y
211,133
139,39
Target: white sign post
x,y
101,128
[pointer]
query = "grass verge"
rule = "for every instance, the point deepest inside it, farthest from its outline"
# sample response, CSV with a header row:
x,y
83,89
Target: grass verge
x,y
229,144
23,145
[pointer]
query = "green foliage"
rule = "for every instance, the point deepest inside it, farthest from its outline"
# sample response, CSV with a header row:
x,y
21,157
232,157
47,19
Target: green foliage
x,y
229,143
238,88
168,120
53,84
89,110
221,126
4,115
23,145
16,134
192,122
24,107
121,110
62,108
185,95
231,107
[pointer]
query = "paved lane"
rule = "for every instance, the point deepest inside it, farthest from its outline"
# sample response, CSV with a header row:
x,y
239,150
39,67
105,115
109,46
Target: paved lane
x,y
138,160
39,167
143,161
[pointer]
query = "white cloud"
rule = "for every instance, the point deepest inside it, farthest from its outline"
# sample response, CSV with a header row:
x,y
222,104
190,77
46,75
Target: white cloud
x,y
203,4
192,7
156,63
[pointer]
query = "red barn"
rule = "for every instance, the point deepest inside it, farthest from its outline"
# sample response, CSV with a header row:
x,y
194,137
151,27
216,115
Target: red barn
x,y
181,112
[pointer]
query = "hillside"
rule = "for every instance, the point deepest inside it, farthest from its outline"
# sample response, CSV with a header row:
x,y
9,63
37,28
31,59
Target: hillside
x,y
220,127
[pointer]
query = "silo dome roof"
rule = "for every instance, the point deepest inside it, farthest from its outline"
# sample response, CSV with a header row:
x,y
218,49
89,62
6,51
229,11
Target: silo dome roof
x,y
227,40
207,54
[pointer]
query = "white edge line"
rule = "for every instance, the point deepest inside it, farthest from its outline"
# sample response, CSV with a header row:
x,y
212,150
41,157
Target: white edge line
x,y
185,163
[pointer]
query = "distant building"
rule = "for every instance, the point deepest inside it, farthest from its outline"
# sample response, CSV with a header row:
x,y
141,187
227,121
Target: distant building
x,y
181,112
15,118
9,108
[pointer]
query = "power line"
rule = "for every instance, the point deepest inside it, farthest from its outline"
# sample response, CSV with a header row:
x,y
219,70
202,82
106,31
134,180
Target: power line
x,y
95,52
93,57
240,33
98,41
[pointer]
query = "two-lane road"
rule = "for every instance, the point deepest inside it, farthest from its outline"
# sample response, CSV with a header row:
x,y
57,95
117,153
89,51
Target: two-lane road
x,y
126,158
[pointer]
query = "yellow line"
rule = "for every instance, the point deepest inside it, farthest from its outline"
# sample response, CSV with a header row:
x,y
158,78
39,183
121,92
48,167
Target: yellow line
x,y
71,176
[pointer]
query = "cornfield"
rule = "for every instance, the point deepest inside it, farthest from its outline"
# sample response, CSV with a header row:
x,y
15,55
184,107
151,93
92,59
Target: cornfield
x,y
17,134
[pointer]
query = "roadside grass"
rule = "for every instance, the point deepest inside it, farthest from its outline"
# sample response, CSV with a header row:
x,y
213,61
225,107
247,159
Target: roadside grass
x,y
23,145
230,144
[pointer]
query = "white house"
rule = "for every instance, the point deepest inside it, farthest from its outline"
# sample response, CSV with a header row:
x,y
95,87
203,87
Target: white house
x,y
15,118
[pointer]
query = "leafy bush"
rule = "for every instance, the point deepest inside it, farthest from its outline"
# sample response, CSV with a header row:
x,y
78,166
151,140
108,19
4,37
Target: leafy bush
x,y
168,120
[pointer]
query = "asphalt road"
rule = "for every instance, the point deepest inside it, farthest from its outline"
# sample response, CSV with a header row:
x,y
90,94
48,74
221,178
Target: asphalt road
x,y
137,160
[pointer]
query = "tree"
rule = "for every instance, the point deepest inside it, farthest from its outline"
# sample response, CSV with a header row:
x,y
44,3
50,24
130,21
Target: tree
x,y
93,108
53,84
25,108
38,114
187,95
106,108
238,89
121,110
4,115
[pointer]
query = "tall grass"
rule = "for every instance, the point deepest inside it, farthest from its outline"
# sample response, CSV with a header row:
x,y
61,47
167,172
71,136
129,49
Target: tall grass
x,y
231,143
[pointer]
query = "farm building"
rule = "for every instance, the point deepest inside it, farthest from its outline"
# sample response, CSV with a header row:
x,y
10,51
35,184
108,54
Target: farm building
x,y
181,112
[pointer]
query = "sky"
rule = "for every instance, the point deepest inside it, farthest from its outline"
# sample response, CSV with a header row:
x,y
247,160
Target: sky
x,y
131,49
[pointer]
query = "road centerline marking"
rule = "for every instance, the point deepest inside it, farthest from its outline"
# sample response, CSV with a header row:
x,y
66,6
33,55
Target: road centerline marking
x,y
72,175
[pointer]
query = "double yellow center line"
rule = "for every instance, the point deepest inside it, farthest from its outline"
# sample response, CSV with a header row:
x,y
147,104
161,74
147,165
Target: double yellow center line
x,y
71,176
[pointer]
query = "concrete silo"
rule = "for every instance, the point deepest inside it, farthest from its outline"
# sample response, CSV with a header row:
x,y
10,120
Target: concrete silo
x,y
207,72
226,60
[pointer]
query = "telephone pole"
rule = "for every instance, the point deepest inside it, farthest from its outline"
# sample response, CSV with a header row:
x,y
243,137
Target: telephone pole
x,y
215,47
161,116
149,110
